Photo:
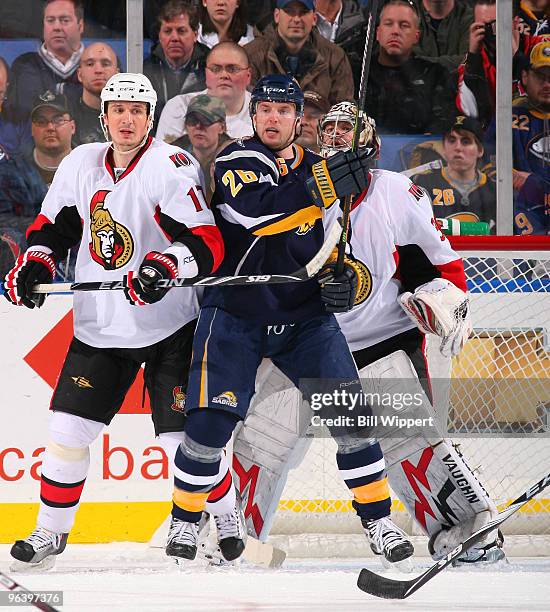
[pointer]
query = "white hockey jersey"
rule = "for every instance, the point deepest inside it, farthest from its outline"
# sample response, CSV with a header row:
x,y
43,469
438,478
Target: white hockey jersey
x,y
399,246
156,200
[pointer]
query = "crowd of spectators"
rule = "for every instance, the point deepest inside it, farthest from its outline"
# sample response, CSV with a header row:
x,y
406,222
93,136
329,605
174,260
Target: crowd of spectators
x,y
432,81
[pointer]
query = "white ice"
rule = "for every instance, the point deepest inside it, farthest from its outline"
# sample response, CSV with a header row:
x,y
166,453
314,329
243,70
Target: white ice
x,y
129,577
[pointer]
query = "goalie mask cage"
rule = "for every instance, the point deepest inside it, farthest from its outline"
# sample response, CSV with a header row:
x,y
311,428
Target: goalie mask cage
x,y
499,400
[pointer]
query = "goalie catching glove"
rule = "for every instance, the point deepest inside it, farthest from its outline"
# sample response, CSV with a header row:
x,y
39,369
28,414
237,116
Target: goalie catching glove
x,y
439,307
32,268
345,173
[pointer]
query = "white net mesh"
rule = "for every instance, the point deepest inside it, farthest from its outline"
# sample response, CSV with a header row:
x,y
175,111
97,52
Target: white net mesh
x,y
498,408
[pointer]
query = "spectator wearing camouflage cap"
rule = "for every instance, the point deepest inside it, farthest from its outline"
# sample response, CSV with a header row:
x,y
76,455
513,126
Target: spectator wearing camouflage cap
x,y
205,126
315,106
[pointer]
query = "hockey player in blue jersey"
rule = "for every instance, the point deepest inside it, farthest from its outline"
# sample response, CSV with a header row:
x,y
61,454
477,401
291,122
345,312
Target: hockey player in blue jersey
x,y
272,203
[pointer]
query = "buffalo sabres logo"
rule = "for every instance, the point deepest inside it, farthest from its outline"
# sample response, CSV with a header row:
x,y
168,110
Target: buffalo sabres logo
x,y
179,399
180,159
112,245
228,398
305,228
541,148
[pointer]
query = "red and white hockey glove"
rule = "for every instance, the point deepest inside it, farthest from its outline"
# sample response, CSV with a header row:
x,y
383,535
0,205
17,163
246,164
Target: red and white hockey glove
x,y
30,269
439,307
140,288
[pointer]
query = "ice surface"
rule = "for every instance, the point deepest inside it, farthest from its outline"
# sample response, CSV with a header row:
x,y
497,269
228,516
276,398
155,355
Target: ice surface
x,y
128,577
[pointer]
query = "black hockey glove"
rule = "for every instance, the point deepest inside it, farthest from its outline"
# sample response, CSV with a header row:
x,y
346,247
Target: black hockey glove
x,y
30,269
343,174
140,288
338,293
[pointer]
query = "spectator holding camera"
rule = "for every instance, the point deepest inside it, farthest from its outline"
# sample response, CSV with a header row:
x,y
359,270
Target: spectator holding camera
x,y
176,63
477,74
224,20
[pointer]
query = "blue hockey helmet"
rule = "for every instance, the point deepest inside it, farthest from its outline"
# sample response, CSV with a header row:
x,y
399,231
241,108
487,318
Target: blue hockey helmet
x,y
277,88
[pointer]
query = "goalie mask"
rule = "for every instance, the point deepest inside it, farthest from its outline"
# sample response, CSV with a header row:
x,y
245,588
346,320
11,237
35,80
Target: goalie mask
x,y
335,130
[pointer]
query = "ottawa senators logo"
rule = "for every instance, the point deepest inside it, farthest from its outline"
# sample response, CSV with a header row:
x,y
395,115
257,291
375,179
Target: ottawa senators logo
x,y
416,192
365,283
180,159
179,400
111,246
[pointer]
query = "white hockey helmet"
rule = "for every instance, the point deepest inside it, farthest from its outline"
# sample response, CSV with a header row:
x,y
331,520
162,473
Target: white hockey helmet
x,y
345,112
128,87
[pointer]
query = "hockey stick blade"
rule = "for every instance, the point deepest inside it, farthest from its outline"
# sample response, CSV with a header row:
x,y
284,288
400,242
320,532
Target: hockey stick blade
x,y
10,584
387,588
303,274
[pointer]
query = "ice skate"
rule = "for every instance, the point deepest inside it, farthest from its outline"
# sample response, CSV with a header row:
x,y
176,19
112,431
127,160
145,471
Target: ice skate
x,y
182,540
387,539
231,535
38,551
484,553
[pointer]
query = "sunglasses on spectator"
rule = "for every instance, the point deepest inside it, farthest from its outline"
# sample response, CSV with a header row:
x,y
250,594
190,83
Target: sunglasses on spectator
x,y
229,68
55,121
194,120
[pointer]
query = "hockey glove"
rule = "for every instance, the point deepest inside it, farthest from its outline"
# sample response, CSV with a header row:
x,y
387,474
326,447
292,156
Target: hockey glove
x,y
343,174
439,307
338,292
140,288
31,268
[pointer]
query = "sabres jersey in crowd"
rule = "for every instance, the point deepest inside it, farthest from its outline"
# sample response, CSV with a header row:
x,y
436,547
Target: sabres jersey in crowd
x,y
531,150
119,215
269,225
450,200
398,247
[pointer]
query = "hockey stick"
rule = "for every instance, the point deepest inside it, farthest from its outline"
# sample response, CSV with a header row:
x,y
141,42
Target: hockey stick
x,y
21,595
303,274
387,588
365,67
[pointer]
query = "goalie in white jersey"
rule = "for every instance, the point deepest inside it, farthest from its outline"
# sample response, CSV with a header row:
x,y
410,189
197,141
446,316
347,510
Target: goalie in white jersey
x,y
137,207
404,281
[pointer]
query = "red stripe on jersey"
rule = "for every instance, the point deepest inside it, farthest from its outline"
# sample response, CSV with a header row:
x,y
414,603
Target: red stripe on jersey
x,y
37,224
60,493
213,239
454,272
110,164
221,489
458,100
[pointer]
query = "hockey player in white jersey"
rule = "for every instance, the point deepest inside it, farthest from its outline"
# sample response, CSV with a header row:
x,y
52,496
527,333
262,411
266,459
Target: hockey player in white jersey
x,y
405,281
137,207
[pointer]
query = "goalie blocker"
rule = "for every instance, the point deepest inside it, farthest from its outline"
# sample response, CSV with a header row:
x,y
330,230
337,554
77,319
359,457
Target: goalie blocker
x,y
428,474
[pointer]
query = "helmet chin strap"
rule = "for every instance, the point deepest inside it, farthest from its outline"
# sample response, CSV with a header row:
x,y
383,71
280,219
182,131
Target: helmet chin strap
x,y
136,148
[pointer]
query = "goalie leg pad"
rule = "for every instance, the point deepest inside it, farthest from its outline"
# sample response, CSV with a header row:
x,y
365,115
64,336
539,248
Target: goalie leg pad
x,y
426,472
267,445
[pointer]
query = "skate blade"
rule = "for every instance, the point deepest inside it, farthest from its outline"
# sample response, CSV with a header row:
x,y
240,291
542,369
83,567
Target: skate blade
x,y
22,567
405,566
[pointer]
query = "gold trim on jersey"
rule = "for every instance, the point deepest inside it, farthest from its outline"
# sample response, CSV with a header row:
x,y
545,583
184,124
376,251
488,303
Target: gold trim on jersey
x,y
304,219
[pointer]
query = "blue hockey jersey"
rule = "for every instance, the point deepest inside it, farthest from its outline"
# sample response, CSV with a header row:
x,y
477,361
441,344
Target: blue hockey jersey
x,y
269,226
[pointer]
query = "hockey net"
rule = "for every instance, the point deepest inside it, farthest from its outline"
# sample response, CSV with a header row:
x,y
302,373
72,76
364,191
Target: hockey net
x,y
498,408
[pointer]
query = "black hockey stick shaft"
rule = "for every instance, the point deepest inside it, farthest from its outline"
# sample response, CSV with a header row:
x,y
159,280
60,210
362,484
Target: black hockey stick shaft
x,y
387,588
365,68
25,595
303,274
